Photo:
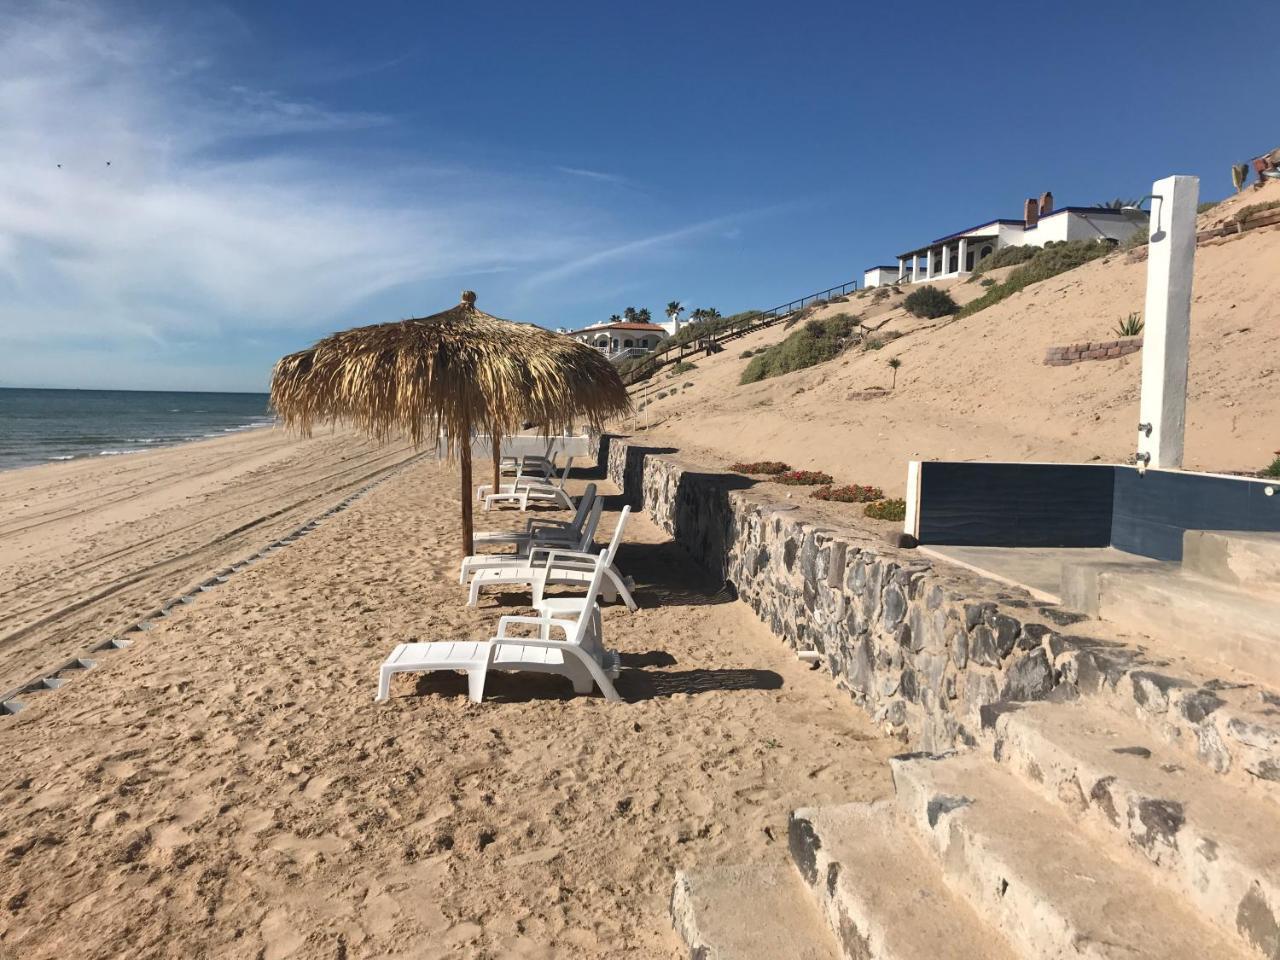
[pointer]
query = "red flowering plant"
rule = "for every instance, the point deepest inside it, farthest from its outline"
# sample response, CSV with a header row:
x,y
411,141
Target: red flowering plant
x,y
805,478
761,466
853,493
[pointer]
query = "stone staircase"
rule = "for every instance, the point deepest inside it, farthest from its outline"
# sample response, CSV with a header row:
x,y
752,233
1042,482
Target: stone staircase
x,y
1113,821
1221,603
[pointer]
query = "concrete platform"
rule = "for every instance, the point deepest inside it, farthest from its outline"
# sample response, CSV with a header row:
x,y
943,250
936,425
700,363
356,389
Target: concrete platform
x,y
1038,570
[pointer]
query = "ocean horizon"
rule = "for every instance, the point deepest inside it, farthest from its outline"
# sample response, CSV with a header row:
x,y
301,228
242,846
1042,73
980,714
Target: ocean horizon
x,y
56,425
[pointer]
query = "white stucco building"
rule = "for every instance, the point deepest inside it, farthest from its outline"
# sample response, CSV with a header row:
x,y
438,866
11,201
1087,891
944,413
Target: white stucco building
x,y
619,340
956,253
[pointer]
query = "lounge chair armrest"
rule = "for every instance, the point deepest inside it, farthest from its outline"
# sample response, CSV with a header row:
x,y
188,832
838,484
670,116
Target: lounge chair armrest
x,y
504,622
566,558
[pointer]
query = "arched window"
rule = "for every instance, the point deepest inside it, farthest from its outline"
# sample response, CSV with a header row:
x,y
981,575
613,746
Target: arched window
x,y
985,252
628,343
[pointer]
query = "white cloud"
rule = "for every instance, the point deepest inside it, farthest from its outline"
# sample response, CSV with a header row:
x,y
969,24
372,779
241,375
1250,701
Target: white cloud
x,y
593,174
161,224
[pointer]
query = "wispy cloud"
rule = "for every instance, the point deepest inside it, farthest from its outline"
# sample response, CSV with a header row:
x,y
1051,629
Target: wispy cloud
x,y
132,212
726,226
593,175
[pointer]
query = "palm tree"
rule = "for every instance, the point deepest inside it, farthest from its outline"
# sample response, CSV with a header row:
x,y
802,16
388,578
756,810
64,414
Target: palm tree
x,y
1116,204
614,318
643,315
629,314
894,364
674,309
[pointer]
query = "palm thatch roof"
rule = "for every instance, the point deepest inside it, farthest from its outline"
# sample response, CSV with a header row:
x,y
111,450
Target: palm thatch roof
x,y
447,375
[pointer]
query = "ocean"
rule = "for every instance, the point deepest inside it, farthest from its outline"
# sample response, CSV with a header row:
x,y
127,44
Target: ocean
x,y
43,426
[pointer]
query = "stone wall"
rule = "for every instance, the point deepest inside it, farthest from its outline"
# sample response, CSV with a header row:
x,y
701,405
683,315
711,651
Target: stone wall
x,y
923,650
1092,350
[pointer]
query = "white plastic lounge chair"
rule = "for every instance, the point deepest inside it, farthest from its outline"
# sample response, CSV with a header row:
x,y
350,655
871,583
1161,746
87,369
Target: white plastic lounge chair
x,y
545,567
579,656
529,490
542,530
542,466
485,561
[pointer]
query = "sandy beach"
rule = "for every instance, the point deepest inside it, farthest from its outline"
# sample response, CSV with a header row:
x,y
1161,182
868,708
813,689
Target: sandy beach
x,y
88,547
227,786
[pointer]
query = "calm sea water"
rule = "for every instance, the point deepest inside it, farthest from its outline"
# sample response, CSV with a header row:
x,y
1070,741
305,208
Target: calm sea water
x,y
39,426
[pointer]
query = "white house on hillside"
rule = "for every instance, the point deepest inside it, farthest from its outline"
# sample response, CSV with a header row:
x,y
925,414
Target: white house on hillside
x,y
620,340
956,253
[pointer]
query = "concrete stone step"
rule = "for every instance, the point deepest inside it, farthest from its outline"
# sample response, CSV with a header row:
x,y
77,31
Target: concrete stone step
x,y
1201,618
884,895
1213,844
1052,890
749,913
1248,560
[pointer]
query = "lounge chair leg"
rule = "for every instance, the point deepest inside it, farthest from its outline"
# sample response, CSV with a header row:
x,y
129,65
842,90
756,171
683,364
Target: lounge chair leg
x,y
473,595
620,587
597,674
384,683
475,684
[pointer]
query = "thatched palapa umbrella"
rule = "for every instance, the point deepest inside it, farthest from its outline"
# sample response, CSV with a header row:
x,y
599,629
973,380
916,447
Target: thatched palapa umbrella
x,y
448,376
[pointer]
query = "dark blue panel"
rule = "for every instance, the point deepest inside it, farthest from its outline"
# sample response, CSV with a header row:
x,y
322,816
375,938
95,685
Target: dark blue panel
x,y
1016,504
1153,510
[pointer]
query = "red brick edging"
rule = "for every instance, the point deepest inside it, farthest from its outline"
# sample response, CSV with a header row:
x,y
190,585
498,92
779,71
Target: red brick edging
x,y
1092,350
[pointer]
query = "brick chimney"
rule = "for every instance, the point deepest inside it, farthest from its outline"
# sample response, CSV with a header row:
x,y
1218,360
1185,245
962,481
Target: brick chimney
x,y
1031,212
1046,203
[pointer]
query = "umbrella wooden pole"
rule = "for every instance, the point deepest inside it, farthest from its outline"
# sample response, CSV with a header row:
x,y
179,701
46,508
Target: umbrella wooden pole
x,y
497,461
468,530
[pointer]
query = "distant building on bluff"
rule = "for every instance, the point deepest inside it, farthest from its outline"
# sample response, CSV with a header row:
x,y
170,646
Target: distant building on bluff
x,y
957,253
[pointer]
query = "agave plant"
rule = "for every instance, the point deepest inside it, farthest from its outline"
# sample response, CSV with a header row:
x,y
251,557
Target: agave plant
x,y
1130,326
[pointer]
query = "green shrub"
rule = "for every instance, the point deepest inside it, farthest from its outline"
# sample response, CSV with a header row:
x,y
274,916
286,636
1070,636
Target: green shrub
x,y
848,494
1273,470
1005,257
929,302
815,342
886,510
987,282
746,354
1138,238
1130,326
684,366
1244,213
805,478
767,467
1048,261
1206,206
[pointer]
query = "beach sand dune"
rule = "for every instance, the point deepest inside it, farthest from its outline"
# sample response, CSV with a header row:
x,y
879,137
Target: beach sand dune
x,y
227,786
88,547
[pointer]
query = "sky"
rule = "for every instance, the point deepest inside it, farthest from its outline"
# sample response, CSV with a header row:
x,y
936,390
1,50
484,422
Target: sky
x,y
189,191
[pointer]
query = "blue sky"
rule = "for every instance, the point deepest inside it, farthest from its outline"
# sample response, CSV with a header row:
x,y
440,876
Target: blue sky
x,y
282,170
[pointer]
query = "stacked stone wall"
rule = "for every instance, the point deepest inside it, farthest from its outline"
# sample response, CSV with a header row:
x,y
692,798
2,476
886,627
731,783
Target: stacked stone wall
x,y
922,651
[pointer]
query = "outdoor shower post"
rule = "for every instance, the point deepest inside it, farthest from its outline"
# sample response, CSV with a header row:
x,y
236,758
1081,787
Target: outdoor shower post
x,y
1166,333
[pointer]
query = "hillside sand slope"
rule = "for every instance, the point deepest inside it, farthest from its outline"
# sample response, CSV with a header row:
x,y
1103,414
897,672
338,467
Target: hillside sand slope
x,y
977,388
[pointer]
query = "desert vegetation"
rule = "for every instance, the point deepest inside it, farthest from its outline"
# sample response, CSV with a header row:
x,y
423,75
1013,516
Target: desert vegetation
x,y
1047,261
886,510
1130,326
805,478
852,493
929,302
763,467
817,341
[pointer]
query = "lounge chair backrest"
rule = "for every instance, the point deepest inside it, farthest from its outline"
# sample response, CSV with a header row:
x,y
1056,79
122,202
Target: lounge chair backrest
x,y
589,606
564,474
617,536
584,506
591,526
